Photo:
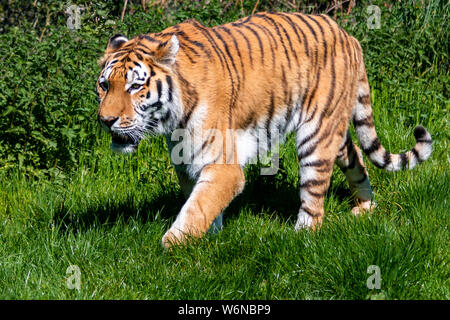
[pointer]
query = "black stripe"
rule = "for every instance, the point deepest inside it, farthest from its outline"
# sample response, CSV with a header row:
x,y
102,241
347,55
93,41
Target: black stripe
x,y
248,45
296,29
195,43
156,105
315,49
191,59
286,34
248,120
267,32
169,84
341,40
237,50
148,38
311,116
277,29
166,116
210,39
342,35
221,55
308,152
386,159
148,53
348,49
269,119
332,92
190,99
287,117
317,163
367,121
191,49
234,91
308,211
403,160
272,42
271,110
159,88
140,44
374,146
429,141
260,44
284,83
308,137
316,194
364,99
416,154
313,183
112,62
300,16
310,95
139,113
325,18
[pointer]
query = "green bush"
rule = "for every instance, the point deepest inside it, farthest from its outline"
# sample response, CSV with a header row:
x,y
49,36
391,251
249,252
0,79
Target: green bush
x,y
47,97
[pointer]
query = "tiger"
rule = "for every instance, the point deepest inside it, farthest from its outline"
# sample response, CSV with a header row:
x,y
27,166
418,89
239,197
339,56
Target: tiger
x,y
211,91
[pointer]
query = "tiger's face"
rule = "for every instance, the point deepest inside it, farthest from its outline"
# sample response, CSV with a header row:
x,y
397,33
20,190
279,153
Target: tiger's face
x,y
136,90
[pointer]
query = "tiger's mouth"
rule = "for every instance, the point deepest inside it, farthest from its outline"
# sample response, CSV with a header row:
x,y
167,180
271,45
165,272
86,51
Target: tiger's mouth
x,y
123,143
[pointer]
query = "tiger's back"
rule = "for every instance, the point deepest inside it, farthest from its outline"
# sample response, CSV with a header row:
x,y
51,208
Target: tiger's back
x,y
234,90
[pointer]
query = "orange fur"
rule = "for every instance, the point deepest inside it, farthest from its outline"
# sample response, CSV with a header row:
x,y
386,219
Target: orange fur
x,y
271,71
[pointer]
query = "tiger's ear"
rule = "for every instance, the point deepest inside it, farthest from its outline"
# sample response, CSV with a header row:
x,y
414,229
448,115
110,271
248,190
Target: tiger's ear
x,y
115,42
166,51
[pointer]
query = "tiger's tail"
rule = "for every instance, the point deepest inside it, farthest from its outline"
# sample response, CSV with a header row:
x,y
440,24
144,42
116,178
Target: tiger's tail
x,y
367,136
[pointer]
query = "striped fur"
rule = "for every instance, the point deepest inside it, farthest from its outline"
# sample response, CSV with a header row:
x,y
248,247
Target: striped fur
x,y
225,94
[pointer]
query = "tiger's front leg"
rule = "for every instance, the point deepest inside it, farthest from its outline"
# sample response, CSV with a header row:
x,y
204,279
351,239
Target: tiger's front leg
x,y
216,186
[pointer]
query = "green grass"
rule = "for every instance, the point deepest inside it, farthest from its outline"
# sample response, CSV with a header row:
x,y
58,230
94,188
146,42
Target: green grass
x,y
108,217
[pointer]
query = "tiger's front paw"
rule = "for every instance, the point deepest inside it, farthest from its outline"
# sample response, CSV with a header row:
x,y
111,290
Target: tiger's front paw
x,y
174,236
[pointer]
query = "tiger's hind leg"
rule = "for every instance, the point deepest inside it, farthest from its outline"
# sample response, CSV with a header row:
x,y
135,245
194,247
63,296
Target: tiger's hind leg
x,y
350,161
317,156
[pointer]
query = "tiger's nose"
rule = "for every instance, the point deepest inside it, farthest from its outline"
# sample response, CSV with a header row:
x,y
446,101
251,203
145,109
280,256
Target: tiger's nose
x,y
108,121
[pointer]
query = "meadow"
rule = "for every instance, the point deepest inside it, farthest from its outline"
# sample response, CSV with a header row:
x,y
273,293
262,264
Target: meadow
x,y
67,200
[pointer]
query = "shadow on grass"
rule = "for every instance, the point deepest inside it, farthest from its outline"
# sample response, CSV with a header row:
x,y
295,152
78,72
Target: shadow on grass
x,y
269,194
276,195
162,206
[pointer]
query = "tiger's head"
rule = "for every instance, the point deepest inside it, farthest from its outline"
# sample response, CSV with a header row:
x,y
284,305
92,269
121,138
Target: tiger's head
x,y
136,89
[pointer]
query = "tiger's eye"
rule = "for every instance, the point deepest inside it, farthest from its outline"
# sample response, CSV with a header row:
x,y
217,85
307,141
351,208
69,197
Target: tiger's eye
x,y
135,86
